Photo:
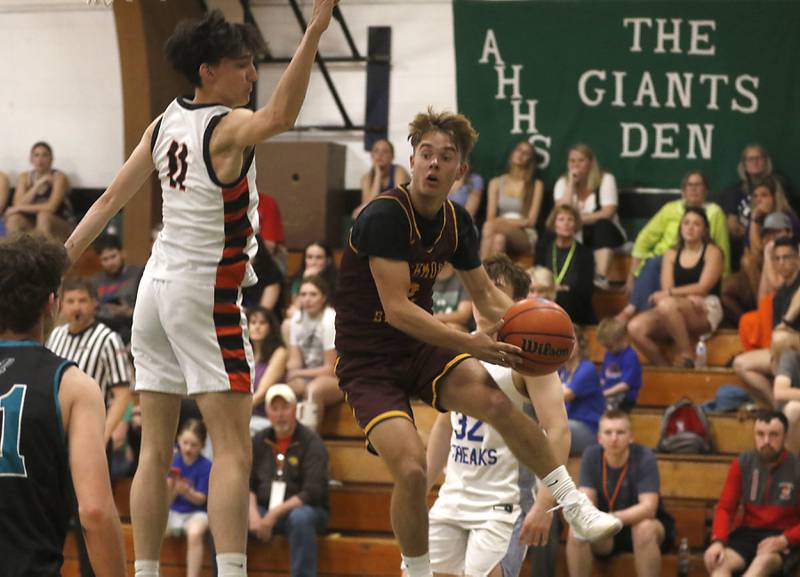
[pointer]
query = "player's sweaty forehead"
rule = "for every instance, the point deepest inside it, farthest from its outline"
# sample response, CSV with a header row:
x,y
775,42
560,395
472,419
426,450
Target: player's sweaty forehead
x,y
439,142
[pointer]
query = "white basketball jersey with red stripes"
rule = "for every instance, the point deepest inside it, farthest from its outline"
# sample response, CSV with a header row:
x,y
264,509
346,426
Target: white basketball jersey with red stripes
x,y
208,226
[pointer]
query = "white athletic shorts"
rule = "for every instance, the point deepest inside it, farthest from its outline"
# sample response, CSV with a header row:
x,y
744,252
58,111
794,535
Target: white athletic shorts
x,y
472,549
190,338
176,522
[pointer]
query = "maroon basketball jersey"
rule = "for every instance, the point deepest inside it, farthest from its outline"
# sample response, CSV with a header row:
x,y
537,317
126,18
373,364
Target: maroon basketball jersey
x,y
361,325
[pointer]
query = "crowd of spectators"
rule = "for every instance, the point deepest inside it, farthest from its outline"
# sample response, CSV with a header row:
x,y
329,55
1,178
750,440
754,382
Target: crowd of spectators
x,y
696,265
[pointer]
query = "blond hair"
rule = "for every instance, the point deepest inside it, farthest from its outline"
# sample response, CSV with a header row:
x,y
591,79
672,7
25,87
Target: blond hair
x,y
542,276
595,176
456,126
610,332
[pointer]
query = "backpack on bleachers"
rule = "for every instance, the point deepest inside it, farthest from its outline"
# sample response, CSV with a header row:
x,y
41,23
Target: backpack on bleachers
x,y
685,429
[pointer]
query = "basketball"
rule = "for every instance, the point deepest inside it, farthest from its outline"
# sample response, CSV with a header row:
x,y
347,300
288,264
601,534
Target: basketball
x,y
543,330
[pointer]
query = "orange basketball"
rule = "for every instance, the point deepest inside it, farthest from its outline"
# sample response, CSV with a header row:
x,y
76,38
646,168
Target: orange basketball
x,y
544,332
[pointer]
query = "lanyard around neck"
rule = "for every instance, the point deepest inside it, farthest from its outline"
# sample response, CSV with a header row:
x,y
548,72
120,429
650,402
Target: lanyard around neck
x,y
564,267
611,500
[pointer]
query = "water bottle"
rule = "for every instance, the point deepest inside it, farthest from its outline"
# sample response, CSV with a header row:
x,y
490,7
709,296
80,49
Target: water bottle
x,y
683,558
700,354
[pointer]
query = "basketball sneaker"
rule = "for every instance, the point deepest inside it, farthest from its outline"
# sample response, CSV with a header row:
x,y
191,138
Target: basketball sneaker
x,y
587,522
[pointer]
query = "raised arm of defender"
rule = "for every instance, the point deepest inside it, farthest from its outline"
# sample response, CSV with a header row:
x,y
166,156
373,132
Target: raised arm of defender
x,y
393,282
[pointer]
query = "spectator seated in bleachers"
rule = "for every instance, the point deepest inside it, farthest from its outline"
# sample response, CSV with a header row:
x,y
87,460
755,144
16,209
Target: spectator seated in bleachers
x,y
41,198
781,275
688,305
512,206
764,483
116,286
543,283
5,200
451,302
187,486
383,175
468,192
622,478
661,233
736,200
270,356
268,291
621,372
771,218
289,483
317,261
571,262
583,396
594,193
312,356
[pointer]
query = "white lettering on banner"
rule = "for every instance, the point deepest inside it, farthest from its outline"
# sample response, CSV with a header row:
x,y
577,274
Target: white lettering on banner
x,y
753,106
646,88
636,45
696,38
523,111
503,81
636,140
619,79
714,80
598,93
682,89
528,117
490,47
663,36
699,41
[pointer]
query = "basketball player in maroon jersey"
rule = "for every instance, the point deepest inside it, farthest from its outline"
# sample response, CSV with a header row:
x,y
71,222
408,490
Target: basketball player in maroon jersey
x,y
392,349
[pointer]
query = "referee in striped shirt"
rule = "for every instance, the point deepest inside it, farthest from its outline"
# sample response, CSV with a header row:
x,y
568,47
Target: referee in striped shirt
x,y
97,350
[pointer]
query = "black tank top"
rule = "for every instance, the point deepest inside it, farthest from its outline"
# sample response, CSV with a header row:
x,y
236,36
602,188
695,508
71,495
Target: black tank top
x,y
35,486
685,276
361,325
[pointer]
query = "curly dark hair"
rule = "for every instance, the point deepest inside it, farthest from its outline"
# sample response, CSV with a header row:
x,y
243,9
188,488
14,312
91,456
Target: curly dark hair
x,y
208,41
31,268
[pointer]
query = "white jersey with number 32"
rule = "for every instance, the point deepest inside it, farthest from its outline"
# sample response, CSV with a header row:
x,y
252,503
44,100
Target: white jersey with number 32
x,y
208,226
482,479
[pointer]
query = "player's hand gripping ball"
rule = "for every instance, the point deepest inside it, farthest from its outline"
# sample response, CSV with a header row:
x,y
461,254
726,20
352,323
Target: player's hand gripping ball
x,y
544,332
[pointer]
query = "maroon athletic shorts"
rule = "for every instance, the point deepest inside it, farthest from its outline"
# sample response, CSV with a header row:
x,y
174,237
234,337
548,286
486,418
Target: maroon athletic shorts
x,y
379,386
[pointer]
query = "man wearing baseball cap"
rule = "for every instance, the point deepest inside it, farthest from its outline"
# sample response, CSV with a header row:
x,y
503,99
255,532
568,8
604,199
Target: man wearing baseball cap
x,y
289,482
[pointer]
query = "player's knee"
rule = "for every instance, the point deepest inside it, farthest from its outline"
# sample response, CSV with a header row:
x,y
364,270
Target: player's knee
x,y
645,533
412,473
495,407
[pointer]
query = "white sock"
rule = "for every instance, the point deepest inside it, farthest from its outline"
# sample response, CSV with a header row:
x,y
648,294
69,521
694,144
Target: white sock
x,y
145,568
232,565
418,566
308,414
559,483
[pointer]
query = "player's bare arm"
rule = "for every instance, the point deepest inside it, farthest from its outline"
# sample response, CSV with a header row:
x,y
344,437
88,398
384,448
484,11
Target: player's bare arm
x,y
126,183
393,282
83,414
438,447
242,127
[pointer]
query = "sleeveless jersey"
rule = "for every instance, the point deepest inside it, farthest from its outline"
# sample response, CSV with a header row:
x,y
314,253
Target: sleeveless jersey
x,y
483,479
208,233
361,325
34,468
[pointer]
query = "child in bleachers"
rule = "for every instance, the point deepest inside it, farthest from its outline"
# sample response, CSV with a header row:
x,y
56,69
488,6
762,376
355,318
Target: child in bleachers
x,y
621,373
188,489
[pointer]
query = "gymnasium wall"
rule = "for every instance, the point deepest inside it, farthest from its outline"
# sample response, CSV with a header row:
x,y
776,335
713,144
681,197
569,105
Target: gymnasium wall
x,y
63,78
61,84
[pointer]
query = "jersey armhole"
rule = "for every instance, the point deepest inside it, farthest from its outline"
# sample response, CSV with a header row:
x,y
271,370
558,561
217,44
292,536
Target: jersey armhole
x,y
154,137
57,377
248,155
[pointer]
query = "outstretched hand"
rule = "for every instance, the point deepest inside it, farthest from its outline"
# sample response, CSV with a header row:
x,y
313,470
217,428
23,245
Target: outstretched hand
x,y
485,346
321,18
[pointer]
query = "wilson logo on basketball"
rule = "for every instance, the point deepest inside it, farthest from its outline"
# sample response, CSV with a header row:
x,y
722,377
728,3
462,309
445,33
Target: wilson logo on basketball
x,y
544,349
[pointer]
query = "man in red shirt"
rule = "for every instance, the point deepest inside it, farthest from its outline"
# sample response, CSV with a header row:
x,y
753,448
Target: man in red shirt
x,y
764,482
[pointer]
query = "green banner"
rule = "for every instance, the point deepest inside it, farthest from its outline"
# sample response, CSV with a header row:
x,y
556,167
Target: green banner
x,y
654,88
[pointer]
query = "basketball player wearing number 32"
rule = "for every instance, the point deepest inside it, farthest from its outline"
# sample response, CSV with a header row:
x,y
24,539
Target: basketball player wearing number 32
x,y
189,332
392,349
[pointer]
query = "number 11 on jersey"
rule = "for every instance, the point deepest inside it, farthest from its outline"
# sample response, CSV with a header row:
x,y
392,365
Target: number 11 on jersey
x,y
12,464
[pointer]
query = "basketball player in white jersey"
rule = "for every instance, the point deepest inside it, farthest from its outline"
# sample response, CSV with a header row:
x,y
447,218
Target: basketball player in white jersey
x,y
478,523
189,333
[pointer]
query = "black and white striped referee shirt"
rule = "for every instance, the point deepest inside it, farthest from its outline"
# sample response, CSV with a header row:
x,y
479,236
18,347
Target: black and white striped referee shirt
x,y
97,350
